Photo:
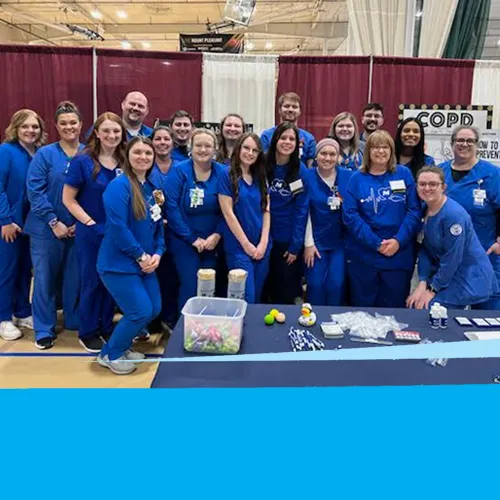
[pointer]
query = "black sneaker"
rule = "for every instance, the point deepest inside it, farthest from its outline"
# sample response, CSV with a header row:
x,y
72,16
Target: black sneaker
x,y
92,344
45,343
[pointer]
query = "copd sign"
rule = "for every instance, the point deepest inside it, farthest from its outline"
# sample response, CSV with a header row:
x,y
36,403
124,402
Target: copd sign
x,y
440,120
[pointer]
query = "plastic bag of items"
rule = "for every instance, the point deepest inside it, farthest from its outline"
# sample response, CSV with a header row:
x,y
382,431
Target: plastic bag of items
x,y
363,324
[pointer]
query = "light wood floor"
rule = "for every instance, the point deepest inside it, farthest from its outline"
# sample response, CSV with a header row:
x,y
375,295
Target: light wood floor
x,y
44,371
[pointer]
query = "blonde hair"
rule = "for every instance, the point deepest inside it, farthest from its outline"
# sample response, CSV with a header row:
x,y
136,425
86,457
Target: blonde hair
x,y
379,137
17,119
206,131
354,142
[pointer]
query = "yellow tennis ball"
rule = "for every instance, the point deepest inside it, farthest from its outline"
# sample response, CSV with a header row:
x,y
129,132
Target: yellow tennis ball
x,y
274,313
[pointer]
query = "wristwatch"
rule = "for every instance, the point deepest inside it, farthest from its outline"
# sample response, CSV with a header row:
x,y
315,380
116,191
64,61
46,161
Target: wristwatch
x,y
431,288
53,222
142,258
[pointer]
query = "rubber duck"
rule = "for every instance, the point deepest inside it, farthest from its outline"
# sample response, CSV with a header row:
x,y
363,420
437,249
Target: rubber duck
x,y
308,318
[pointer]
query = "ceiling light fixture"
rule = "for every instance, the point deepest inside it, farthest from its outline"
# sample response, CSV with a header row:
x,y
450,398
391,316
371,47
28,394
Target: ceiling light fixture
x,y
126,44
146,45
121,14
250,46
419,13
96,14
268,46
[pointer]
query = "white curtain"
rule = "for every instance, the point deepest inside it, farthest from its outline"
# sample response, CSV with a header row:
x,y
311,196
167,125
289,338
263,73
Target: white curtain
x,y
242,84
437,19
377,27
486,88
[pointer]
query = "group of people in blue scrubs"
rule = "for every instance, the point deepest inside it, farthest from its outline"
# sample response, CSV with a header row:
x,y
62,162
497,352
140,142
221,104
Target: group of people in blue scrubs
x,y
125,221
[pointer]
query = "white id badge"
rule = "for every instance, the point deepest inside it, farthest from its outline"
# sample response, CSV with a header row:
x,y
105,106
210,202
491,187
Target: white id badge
x,y
196,197
397,186
155,211
333,202
296,187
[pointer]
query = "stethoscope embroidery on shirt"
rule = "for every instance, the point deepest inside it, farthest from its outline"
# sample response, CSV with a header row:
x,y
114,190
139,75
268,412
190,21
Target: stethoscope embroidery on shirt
x,y
479,194
196,197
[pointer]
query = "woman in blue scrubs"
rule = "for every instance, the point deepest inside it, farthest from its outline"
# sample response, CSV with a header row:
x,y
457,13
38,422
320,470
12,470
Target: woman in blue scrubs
x,y
453,267
130,254
244,202
382,214
345,131
475,184
162,141
87,178
193,212
232,128
288,206
324,252
25,133
410,146
52,229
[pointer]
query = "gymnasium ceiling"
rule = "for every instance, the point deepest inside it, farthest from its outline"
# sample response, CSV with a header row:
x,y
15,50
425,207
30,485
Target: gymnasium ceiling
x,y
308,27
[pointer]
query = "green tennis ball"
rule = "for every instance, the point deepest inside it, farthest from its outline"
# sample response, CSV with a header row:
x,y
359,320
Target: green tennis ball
x,y
268,319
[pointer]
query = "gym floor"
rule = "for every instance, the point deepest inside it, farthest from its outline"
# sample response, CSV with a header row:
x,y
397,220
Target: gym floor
x,y
68,365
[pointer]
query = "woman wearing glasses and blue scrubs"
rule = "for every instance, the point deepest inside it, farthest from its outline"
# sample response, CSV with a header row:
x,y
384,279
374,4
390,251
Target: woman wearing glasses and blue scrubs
x,y
475,184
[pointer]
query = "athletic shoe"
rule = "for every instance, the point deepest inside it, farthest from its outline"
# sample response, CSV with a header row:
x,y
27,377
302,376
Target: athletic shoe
x,y
8,331
24,322
118,366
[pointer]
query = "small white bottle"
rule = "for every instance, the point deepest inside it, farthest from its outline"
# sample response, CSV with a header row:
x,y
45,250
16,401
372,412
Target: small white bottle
x,y
443,317
434,316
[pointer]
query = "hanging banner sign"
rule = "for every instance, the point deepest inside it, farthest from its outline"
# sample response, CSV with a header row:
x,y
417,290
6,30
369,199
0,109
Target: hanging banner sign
x,y
212,42
213,126
440,120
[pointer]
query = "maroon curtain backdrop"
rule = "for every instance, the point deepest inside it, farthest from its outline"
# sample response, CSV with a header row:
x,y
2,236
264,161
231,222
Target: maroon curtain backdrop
x,y
39,78
419,81
326,85
170,80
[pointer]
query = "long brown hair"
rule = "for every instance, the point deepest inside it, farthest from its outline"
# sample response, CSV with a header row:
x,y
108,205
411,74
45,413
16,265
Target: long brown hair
x,y
258,169
17,119
138,201
93,147
222,152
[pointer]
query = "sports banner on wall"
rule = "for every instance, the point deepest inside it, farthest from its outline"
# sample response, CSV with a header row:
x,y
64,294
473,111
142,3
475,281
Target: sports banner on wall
x,y
212,42
440,120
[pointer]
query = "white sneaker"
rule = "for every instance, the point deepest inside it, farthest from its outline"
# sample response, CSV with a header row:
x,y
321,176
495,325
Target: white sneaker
x,y
24,322
134,356
8,331
120,366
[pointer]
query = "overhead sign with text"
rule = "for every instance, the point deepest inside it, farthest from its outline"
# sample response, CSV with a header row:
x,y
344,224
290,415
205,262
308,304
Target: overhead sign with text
x,y
440,120
212,42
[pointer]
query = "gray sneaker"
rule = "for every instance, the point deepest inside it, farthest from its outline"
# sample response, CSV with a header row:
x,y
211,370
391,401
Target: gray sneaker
x,y
134,355
119,366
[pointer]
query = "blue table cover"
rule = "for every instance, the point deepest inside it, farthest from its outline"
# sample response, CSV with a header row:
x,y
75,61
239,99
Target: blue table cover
x,y
259,338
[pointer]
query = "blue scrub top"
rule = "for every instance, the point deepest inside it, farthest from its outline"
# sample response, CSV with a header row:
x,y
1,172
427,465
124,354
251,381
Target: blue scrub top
x,y
247,209
376,209
306,139
180,153
127,238
14,164
351,162
483,176
328,228
45,182
288,211
452,258
91,190
188,217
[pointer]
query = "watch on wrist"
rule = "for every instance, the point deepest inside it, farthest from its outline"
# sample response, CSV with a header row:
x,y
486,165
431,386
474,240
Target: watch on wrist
x,y
142,258
431,288
53,222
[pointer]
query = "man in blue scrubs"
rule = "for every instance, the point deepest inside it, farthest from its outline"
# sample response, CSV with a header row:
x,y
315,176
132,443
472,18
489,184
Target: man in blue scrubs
x,y
289,110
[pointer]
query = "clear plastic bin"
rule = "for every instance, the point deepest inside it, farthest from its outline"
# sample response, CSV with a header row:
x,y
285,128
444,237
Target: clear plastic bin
x,y
213,325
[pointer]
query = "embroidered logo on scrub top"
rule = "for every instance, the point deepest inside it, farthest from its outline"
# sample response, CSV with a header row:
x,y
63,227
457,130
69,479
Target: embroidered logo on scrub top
x,y
118,172
281,187
456,230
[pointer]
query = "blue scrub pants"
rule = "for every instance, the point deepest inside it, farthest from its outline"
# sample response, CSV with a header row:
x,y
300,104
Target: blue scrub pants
x,y
326,279
188,261
371,287
97,307
257,273
138,297
15,278
169,286
55,266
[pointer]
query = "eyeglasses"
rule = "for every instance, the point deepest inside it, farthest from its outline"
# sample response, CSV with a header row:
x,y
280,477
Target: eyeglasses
x,y
248,149
431,185
469,142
